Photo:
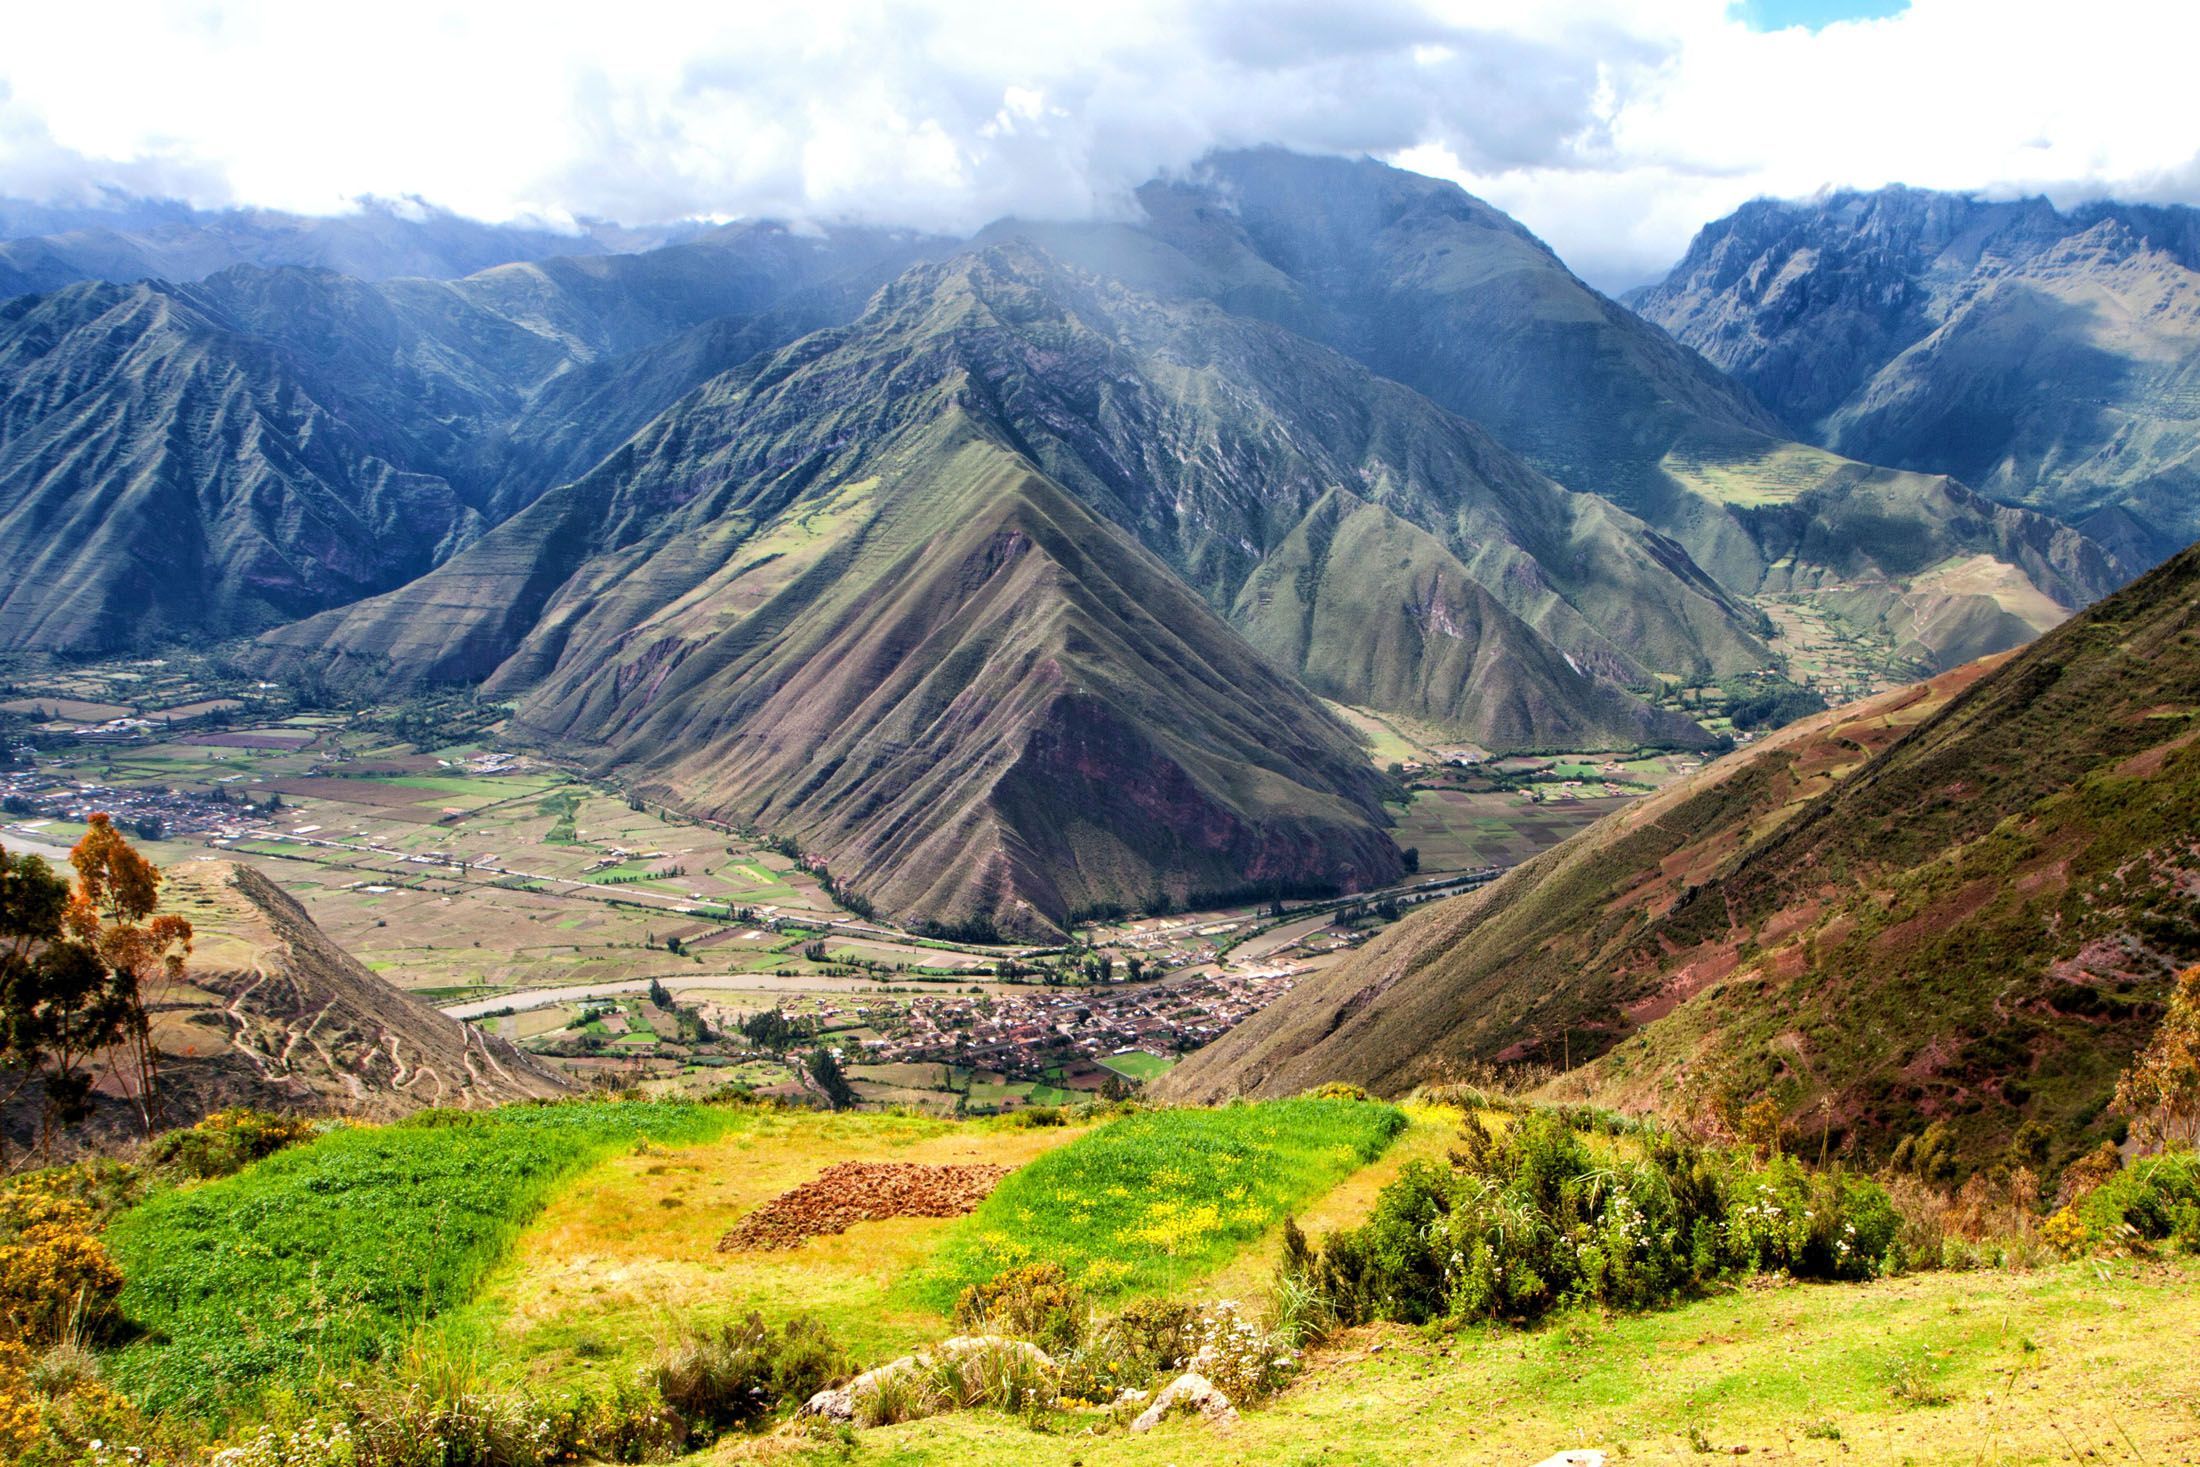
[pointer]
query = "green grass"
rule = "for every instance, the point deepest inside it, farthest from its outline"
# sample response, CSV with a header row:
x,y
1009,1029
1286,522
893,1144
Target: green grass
x,y
2075,1363
497,787
1138,1065
1157,1199
336,1251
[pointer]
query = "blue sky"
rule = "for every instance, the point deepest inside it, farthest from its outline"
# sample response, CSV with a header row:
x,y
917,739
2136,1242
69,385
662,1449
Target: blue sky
x,y
1774,15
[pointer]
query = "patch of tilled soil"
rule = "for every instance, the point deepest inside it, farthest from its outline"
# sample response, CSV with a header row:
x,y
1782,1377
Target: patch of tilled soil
x,y
861,1191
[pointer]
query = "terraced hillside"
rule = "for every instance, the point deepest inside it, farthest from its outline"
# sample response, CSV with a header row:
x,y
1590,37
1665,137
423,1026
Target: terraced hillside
x,y
274,1014
1959,904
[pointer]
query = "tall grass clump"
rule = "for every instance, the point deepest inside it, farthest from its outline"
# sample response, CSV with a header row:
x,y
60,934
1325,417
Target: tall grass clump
x,y
337,1250
1152,1200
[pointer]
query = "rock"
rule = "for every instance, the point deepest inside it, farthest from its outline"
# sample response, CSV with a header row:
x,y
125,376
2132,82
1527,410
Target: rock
x,y
976,1344
1188,1392
1579,1457
839,1404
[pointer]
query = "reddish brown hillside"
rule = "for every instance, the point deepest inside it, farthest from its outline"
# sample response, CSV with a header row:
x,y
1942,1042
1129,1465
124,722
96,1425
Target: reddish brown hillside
x,y
1958,903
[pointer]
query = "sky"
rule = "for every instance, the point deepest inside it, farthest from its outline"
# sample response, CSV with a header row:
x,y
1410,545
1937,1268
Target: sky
x,y
1613,128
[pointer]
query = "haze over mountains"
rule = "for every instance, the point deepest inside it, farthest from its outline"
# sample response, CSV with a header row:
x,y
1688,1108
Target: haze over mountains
x,y
2045,358
1001,575
44,247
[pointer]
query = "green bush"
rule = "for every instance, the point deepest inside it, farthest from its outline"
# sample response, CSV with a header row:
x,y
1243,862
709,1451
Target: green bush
x,y
2154,1200
228,1141
1819,1225
744,1372
1541,1217
1132,1350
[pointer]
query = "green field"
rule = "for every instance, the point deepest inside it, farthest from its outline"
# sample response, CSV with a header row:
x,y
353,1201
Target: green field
x,y
1152,1201
336,1251
1138,1065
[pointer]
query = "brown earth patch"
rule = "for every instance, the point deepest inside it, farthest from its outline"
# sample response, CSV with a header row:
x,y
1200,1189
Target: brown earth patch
x,y
861,1191
1937,917
2147,764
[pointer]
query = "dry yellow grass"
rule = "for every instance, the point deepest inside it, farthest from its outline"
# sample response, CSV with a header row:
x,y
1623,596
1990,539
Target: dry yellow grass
x,y
628,1258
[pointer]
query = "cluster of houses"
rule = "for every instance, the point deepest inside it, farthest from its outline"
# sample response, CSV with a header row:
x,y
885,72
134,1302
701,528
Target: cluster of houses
x,y
1023,1033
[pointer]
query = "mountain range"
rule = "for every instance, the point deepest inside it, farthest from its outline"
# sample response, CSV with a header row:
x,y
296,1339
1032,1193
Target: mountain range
x,y
1958,904
125,238
1005,576
2046,358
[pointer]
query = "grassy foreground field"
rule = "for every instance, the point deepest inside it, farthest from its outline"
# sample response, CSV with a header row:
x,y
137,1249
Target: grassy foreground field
x,y
1155,1200
568,1248
2083,1362
335,1251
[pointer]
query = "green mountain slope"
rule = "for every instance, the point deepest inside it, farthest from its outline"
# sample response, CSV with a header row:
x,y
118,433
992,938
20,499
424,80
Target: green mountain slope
x,y
1958,903
984,708
2046,358
1211,439
1373,610
1438,291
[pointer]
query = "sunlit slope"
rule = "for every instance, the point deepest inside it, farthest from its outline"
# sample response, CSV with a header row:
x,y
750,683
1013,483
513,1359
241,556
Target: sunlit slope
x,y
1436,290
2046,358
1959,903
982,705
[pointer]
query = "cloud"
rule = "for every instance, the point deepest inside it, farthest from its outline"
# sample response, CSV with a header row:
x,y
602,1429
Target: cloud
x,y
1612,127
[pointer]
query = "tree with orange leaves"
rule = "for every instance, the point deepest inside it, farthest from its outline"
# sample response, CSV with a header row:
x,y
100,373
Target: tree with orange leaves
x,y
2161,1090
74,971
115,912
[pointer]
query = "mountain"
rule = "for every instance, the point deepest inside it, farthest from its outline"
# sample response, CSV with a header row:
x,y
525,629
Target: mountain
x,y
1432,288
274,1014
884,591
2047,358
45,247
216,458
1960,903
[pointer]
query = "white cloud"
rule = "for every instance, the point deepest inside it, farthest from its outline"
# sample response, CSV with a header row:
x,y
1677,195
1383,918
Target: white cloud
x,y
1612,127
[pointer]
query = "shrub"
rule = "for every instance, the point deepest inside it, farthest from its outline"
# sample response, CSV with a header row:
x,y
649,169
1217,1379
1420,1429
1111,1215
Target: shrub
x,y
435,1412
1131,1350
56,1280
1537,1219
744,1371
1246,1362
1008,1375
1820,1225
311,1443
904,1391
228,1141
56,1409
2154,1200
1035,1302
